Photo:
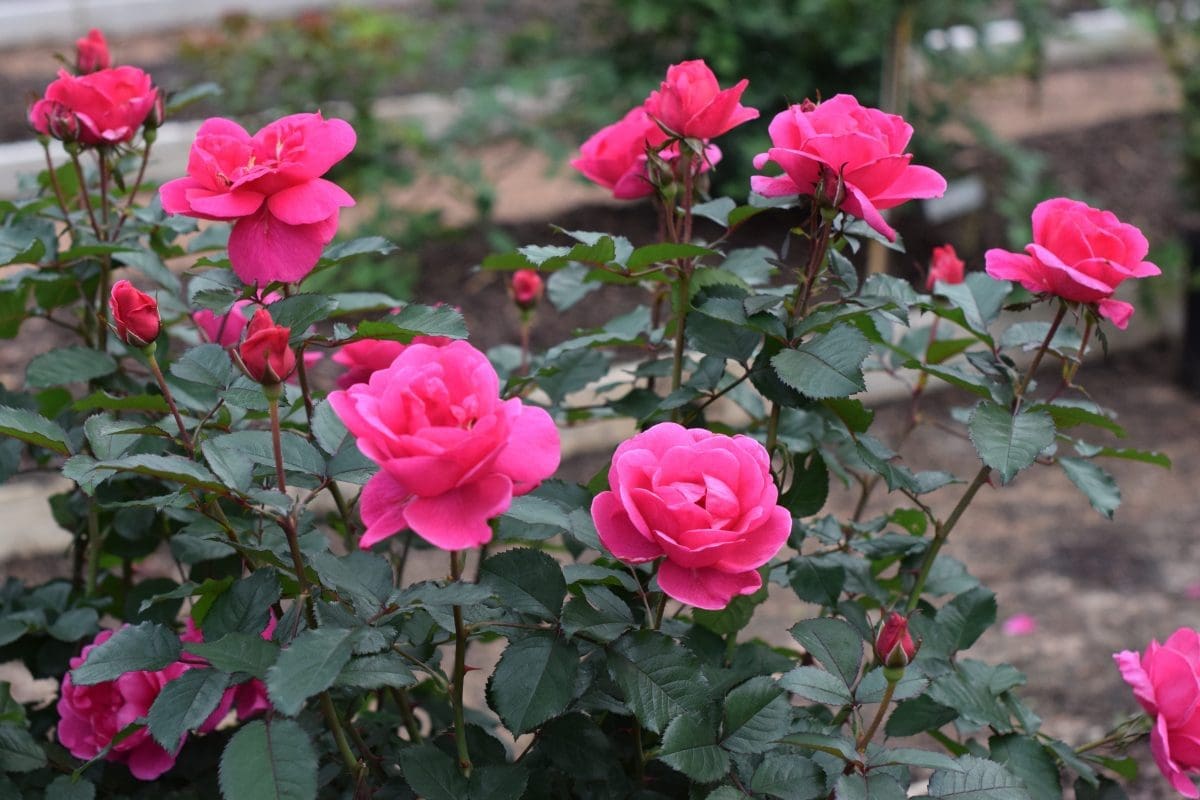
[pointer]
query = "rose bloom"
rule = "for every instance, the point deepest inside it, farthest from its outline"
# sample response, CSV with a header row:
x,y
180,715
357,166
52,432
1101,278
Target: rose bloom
x,y
270,186
840,142
90,716
265,351
1166,681
110,104
945,266
615,156
91,53
527,288
1080,254
703,502
692,104
364,357
451,453
134,314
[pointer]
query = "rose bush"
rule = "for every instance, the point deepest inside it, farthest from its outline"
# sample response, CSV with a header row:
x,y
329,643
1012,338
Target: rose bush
x,y
1079,253
266,549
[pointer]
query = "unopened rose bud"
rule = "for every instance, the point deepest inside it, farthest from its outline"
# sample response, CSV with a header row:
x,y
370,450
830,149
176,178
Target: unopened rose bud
x,y
91,53
134,314
945,266
893,645
264,352
527,288
55,120
158,112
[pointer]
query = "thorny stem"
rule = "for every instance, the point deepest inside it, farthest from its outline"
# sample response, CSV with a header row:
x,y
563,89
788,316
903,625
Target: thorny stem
x,y
166,392
94,543
942,529
683,283
460,672
658,612
57,187
288,523
349,760
137,184
83,194
865,738
400,696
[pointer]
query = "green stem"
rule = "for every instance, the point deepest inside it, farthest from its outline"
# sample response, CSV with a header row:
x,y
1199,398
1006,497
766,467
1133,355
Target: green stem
x,y
94,543
942,530
400,696
137,184
658,612
880,713
57,187
166,392
288,523
460,672
339,737
683,300
83,194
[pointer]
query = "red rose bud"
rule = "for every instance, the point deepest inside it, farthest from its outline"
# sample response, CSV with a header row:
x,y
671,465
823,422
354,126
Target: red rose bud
x,y
55,120
945,266
527,288
158,112
134,314
893,645
91,53
265,352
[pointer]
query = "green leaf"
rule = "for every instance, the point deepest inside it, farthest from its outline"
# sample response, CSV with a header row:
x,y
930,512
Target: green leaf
x,y
526,580
533,682
973,690
183,704
873,684
170,467
377,671
833,642
1127,453
244,608
432,774
363,578
64,787
18,750
660,253
918,715
299,311
237,652
914,757
788,777
717,210
1095,482
827,365
269,760
838,746
814,683
1070,415
816,579
34,429
659,679
415,320
1104,789
207,364
809,489
73,625
1006,443
328,429
598,614
872,786
756,714
979,780
137,647
1030,762
498,782
309,665
959,623
68,365
689,745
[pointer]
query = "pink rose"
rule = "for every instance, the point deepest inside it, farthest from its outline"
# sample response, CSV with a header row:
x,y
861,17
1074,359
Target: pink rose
x,y
1166,681
90,716
366,356
839,143
704,501
451,453
692,104
527,288
945,266
615,156
1080,254
894,646
91,53
265,352
134,314
270,186
109,105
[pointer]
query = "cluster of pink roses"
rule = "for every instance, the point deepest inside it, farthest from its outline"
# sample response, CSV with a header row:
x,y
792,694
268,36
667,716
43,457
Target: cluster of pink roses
x,y
101,105
91,716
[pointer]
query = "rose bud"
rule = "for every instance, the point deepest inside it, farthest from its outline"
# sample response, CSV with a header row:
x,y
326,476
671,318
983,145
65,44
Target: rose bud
x,y
945,266
158,112
527,288
134,314
265,353
893,645
91,53
54,120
